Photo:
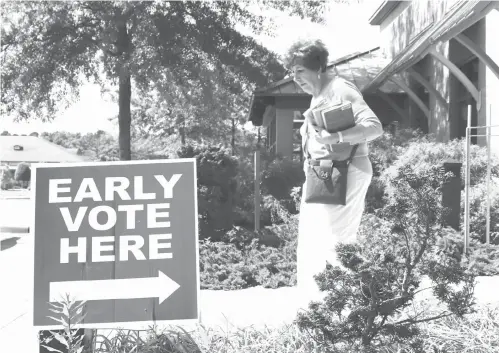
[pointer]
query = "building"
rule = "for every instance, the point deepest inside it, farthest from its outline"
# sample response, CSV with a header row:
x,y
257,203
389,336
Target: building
x,y
436,60
278,108
32,149
444,56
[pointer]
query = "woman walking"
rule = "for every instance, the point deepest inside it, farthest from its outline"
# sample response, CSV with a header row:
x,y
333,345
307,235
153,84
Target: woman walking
x,y
323,225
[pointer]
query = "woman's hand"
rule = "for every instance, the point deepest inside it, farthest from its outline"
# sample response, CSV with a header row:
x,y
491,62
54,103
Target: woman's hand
x,y
326,138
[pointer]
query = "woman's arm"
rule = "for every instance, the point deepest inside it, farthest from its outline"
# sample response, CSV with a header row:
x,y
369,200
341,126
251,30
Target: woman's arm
x,y
367,127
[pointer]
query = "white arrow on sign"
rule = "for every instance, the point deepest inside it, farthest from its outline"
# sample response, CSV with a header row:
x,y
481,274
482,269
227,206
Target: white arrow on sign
x,y
131,288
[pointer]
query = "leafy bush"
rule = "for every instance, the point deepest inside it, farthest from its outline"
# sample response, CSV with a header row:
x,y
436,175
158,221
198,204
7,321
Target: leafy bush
x,y
7,182
426,154
383,152
224,266
413,147
366,298
217,187
482,260
280,176
475,333
244,261
478,203
23,172
70,314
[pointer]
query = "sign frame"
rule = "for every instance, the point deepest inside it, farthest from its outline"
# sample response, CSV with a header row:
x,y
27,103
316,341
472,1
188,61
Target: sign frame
x,y
133,325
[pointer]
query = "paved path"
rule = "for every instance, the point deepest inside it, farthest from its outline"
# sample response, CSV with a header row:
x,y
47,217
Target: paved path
x,y
15,214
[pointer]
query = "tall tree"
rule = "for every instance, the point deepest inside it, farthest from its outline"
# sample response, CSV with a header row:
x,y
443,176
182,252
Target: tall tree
x,y
49,49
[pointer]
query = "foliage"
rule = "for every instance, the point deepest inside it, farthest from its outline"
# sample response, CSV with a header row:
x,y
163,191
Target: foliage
x,y
426,152
244,261
23,172
225,190
171,341
482,260
280,176
383,152
6,178
474,333
167,51
478,202
120,341
389,154
477,333
156,148
101,145
69,314
62,138
98,145
367,297
216,172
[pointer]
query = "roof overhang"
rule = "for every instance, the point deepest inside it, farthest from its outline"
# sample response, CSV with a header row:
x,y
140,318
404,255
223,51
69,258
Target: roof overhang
x,y
383,11
461,16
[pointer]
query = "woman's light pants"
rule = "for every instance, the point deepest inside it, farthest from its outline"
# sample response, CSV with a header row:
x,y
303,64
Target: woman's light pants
x,y
322,226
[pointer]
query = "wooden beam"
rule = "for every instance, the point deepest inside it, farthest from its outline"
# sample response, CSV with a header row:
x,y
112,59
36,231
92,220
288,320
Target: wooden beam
x,y
431,89
479,53
413,96
459,75
393,104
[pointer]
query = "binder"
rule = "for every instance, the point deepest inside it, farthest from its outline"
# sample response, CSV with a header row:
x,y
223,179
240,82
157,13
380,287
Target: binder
x,y
333,117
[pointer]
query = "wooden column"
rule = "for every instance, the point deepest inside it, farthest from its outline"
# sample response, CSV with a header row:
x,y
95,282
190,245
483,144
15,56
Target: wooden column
x,y
451,194
284,132
257,190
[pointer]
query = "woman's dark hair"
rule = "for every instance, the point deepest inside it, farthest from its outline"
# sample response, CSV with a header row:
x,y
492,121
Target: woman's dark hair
x,y
311,53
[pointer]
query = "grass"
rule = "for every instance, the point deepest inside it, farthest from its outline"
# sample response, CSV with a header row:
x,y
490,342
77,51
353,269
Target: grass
x,y
476,333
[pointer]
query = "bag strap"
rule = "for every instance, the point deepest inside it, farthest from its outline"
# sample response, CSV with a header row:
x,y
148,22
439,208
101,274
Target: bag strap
x,y
352,154
305,147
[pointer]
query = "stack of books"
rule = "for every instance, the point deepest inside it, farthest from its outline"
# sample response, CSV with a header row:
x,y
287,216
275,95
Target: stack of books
x,y
332,117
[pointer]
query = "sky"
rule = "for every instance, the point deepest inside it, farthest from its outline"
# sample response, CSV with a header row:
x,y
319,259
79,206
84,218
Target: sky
x,y
347,30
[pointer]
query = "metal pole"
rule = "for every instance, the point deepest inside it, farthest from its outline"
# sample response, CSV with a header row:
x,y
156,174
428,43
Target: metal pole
x,y
489,128
257,190
467,184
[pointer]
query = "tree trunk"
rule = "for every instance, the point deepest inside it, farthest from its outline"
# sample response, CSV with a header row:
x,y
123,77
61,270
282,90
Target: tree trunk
x,y
125,116
182,132
233,142
125,92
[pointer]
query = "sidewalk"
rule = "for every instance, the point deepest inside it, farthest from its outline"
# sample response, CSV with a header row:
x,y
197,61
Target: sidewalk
x,y
15,216
15,194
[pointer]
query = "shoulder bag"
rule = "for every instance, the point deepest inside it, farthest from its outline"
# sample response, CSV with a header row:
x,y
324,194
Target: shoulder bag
x,y
326,181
